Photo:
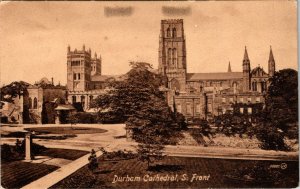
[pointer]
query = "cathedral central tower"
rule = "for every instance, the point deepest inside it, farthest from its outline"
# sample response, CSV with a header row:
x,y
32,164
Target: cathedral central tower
x,y
172,53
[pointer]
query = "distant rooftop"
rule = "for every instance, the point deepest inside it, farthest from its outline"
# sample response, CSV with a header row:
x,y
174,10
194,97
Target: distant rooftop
x,y
214,76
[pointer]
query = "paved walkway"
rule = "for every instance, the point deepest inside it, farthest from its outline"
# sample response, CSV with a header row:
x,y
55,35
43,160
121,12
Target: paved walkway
x,y
61,173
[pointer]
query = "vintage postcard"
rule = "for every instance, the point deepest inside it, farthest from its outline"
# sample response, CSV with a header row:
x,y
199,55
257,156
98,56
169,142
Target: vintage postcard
x,y
136,94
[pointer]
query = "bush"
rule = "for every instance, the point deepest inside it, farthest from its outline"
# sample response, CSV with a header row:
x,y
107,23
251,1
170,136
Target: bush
x,y
93,162
271,138
6,153
117,155
108,117
82,117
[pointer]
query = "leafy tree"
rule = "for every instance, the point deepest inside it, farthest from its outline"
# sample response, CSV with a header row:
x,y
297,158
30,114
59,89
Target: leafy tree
x,y
281,113
138,101
13,90
282,99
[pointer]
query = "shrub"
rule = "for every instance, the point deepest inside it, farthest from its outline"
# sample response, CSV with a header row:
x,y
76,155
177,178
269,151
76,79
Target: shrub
x,y
117,155
6,152
271,138
93,162
82,117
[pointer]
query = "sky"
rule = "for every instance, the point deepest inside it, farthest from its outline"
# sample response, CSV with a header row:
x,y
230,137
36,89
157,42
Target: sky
x,y
35,35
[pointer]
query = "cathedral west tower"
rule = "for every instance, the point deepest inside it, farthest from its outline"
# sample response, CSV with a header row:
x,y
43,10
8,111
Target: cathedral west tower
x,y
172,53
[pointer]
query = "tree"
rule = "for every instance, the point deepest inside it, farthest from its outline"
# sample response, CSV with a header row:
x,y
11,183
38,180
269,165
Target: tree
x,y
138,101
281,113
13,90
282,99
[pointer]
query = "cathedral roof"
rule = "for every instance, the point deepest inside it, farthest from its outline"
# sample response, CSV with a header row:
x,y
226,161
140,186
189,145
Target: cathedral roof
x,y
103,78
214,76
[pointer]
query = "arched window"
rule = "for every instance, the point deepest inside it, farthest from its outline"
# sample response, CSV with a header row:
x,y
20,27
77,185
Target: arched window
x,y
168,32
35,103
174,33
174,56
254,86
73,99
79,76
169,56
30,103
74,76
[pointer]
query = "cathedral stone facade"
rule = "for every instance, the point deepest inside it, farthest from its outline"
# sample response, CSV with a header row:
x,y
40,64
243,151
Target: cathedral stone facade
x,y
195,95
204,95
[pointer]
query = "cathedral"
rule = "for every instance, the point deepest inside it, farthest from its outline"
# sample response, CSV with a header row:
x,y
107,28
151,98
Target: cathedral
x,y
195,95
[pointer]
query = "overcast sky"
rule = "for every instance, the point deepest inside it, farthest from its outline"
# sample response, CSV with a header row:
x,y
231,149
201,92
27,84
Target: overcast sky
x,y
35,35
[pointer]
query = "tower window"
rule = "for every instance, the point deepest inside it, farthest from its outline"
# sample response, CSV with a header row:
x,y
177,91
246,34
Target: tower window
x,y
79,76
169,56
174,33
168,32
74,76
174,57
35,103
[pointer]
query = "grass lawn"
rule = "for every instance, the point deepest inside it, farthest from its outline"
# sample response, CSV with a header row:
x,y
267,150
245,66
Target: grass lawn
x,y
65,130
15,174
216,169
63,153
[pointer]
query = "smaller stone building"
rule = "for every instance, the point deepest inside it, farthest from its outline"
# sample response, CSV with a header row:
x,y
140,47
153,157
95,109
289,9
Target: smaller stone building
x,y
41,101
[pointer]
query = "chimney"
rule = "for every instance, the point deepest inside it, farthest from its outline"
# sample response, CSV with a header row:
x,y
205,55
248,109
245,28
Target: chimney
x,y
52,81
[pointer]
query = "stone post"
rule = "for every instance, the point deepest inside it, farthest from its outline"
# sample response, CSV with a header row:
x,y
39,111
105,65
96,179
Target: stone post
x,y
57,117
28,142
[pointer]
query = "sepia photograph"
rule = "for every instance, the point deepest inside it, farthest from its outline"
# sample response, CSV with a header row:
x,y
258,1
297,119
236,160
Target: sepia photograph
x,y
149,94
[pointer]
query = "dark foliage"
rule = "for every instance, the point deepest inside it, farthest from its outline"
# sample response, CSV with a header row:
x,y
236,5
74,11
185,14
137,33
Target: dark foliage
x,y
282,100
138,101
110,117
117,155
82,117
6,153
93,162
13,90
78,106
48,112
